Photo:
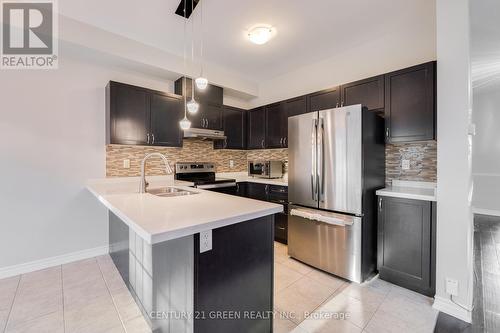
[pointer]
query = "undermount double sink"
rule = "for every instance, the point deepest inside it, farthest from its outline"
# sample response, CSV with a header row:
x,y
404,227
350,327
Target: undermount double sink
x,y
170,191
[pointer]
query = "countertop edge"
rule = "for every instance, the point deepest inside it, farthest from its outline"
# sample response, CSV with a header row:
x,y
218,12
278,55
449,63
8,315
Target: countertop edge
x,y
394,194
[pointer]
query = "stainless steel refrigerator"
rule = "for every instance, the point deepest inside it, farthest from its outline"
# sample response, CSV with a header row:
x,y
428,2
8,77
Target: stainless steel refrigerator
x,y
336,163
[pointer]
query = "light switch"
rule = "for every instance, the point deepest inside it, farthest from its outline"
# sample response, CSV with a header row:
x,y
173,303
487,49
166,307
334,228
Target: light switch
x,y
405,164
126,164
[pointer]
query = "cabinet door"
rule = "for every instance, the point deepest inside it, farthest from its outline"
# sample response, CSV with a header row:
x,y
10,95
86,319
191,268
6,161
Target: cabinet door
x,y
405,243
295,106
323,100
166,112
258,191
275,129
128,114
410,104
257,128
213,116
368,92
281,228
234,123
292,107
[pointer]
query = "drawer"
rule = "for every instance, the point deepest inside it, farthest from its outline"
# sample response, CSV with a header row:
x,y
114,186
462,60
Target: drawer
x,y
281,228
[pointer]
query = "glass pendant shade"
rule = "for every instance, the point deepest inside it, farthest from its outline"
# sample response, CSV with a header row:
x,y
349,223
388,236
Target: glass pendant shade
x,y
192,106
185,123
201,83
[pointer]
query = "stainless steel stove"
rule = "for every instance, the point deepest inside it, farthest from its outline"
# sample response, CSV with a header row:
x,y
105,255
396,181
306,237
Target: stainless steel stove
x,y
203,176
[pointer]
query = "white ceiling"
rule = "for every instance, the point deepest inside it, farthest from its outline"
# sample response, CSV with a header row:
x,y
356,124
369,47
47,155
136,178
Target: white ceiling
x,y
305,34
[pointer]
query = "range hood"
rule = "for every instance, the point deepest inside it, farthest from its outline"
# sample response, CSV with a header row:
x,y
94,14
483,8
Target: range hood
x,y
204,134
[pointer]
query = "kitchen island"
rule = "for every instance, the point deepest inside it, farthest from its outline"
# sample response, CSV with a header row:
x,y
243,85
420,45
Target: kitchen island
x,y
199,262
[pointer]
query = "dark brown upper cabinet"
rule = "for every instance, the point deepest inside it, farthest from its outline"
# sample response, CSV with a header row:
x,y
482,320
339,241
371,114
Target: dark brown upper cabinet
x,y
212,94
257,128
295,106
166,111
410,104
324,99
140,116
367,92
276,126
234,124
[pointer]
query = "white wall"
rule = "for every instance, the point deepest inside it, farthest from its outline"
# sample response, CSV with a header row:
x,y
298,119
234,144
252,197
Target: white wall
x,y
454,217
52,128
486,148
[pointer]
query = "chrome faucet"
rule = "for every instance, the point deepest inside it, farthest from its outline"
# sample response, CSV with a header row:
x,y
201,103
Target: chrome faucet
x,y
168,169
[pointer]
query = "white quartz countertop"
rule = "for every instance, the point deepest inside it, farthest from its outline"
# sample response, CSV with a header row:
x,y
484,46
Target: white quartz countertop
x,y
243,177
410,190
157,219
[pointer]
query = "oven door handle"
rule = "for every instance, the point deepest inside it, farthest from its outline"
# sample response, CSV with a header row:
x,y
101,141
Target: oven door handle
x,y
211,186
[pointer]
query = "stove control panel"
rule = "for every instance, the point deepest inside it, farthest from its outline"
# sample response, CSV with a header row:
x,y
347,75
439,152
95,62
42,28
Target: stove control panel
x,y
192,167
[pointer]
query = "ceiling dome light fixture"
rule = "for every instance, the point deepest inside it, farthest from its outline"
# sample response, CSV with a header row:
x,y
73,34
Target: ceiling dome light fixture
x,y
261,34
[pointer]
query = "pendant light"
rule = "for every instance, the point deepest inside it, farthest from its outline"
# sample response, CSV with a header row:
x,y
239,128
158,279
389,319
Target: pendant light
x,y
185,123
201,81
192,105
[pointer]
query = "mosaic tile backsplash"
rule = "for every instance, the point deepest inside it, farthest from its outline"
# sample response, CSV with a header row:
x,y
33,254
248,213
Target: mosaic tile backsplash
x,y
194,150
422,157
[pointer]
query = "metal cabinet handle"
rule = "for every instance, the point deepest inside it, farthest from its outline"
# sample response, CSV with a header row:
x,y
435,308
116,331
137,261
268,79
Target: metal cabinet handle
x,y
262,143
147,135
153,136
281,142
280,228
284,141
206,122
380,204
225,143
387,132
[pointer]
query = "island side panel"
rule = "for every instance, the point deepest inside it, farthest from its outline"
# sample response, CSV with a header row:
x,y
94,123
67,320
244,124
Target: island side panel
x,y
173,289
119,245
235,278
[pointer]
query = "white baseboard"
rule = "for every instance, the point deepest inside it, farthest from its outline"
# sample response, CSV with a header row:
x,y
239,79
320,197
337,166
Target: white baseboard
x,y
448,307
52,261
482,211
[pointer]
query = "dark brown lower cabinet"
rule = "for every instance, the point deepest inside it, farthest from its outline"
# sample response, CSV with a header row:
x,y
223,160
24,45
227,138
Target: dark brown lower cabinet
x,y
273,193
407,243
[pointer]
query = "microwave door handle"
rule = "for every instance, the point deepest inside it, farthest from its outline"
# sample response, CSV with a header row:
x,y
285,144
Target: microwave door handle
x,y
313,158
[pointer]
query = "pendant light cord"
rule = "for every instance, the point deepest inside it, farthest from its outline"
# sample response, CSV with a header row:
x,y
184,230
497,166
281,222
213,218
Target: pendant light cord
x,y
201,38
184,58
192,49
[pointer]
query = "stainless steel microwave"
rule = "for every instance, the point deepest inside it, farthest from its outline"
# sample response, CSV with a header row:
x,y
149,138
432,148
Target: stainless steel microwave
x,y
265,169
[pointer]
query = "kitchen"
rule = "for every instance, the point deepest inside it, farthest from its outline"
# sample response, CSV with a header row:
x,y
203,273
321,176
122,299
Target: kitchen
x,y
307,204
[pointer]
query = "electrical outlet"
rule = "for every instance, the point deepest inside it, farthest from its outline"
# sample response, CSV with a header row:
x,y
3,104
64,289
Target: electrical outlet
x,y
405,164
231,164
451,287
126,164
205,241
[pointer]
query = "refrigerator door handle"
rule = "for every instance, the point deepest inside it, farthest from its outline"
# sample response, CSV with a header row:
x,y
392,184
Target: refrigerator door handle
x,y
321,162
314,138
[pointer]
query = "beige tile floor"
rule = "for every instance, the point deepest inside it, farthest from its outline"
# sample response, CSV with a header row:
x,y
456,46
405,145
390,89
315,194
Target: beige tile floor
x,y
310,301
90,296
85,296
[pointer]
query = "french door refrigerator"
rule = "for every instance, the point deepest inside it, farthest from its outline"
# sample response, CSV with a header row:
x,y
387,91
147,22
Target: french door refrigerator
x,y
336,163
